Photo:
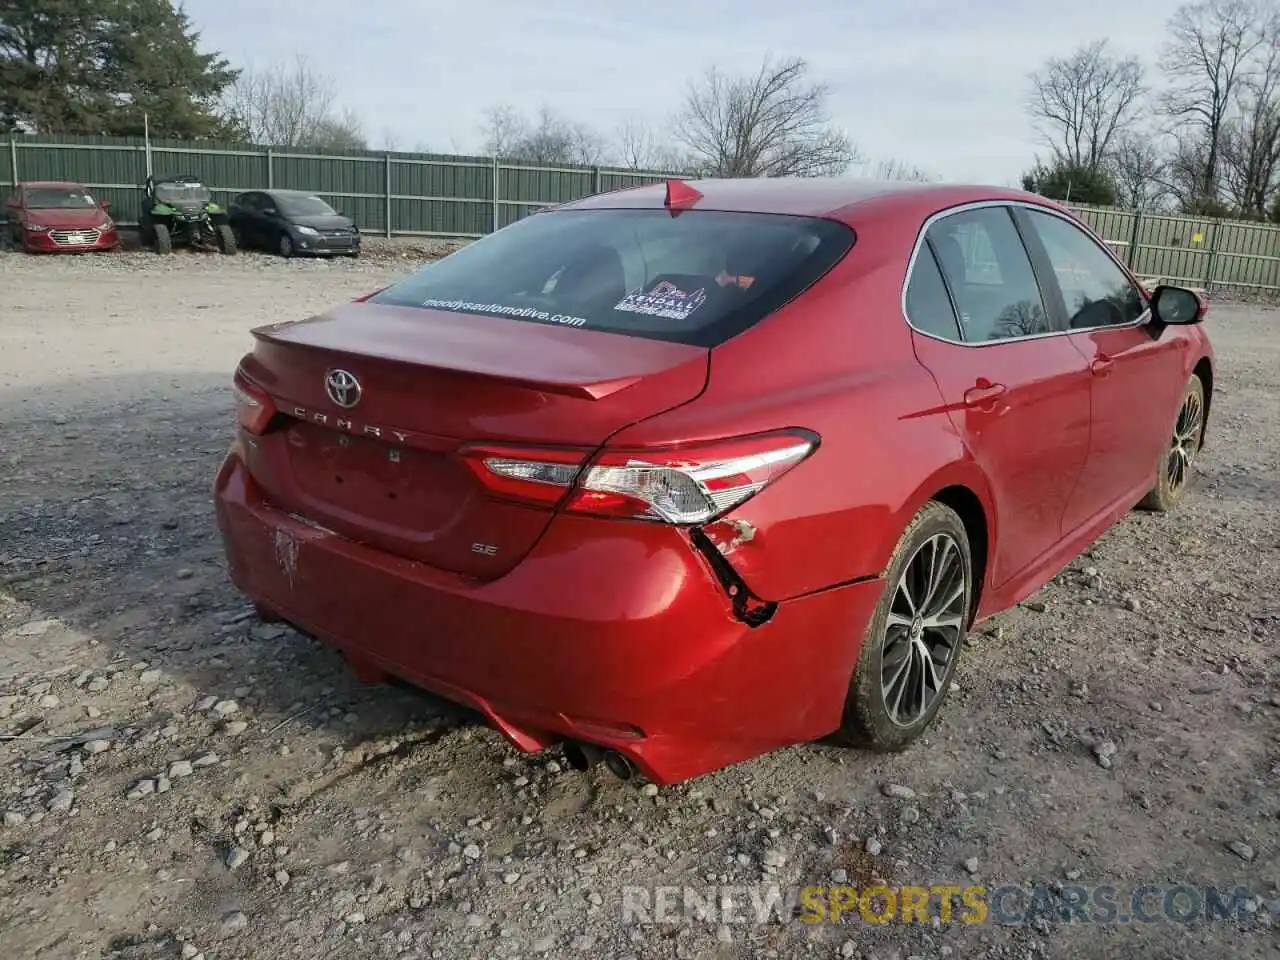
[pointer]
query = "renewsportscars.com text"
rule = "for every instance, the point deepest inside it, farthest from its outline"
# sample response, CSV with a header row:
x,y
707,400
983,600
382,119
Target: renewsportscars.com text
x,y
467,306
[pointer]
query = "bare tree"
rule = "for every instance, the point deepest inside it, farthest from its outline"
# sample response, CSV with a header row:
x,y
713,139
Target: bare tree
x,y
1139,169
639,148
340,131
1082,103
292,106
1251,138
894,169
548,138
1207,58
772,123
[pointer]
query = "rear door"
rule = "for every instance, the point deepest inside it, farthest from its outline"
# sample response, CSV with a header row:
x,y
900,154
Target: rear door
x,y
1135,373
239,212
1016,389
255,219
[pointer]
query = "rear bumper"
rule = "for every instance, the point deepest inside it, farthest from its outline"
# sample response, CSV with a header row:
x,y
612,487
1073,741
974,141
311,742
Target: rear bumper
x,y
610,632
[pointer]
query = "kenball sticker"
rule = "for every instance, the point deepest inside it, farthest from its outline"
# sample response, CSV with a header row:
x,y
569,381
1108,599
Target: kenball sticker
x,y
665,300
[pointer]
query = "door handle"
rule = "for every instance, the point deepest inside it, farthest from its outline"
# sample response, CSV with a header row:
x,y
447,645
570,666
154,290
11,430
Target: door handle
x,y
983,393
1101,365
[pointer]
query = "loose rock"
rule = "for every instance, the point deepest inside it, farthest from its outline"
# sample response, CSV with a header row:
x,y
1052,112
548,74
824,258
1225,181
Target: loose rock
x,y
1241,850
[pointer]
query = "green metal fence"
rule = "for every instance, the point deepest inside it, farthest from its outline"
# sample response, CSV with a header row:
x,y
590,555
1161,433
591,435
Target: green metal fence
x,y
1195,251
414,194
396,194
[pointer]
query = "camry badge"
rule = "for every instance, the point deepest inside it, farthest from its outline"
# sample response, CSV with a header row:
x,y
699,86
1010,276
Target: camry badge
x,y
343,388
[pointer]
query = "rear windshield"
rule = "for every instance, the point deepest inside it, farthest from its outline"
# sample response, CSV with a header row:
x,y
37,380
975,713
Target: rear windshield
x,y
699,277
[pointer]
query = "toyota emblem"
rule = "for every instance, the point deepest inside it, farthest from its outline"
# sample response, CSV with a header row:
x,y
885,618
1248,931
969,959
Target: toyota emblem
x,y
343,388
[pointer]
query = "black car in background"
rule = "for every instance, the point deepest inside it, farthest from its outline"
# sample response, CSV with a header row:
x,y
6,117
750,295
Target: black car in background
x,y
292,222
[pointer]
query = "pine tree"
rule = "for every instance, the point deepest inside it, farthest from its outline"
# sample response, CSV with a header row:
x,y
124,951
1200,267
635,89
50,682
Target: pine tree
x,y
97,66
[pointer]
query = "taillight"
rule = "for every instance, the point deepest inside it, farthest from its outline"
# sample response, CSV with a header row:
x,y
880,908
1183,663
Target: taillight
x,y
527,474
254,408
686,485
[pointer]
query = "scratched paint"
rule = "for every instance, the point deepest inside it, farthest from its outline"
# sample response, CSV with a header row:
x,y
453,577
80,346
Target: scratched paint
x,y
287,555
742,530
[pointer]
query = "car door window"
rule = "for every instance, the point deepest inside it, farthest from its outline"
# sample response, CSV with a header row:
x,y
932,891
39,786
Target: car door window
x,y
929,307
1096,291
989,274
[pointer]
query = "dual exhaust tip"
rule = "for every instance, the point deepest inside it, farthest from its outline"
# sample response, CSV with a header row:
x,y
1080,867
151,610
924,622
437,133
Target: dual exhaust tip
x,y
583,756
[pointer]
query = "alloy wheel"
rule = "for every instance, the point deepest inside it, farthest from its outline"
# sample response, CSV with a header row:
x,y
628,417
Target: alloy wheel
x,y
923,630
1186,441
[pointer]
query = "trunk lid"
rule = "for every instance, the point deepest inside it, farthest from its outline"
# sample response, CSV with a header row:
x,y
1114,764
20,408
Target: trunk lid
x,y
385,469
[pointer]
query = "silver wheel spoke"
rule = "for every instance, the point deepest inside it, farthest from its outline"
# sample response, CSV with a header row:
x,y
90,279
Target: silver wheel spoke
x,y
905,592
905,681
923,630
1186,440
902,666
943,621
957,593
939,562
927,657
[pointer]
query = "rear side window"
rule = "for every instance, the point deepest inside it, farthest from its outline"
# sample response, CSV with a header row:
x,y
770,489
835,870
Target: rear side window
x,y
699,278
928,305
989,274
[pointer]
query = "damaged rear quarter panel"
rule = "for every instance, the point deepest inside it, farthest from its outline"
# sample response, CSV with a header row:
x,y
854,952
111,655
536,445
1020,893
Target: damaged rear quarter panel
x,y
835,517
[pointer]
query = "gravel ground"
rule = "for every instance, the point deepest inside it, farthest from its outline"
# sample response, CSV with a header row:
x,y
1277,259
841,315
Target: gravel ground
x,y
178,779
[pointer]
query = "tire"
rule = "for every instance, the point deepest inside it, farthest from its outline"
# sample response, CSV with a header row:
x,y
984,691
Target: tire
x,y
1174,470
286,245
163,241
226,240
934,533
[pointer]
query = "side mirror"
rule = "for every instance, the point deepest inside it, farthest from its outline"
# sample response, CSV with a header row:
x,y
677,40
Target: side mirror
x,y
271,212
1177,305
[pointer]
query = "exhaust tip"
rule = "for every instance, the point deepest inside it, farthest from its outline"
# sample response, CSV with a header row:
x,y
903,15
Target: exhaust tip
x,y
581,756
619,765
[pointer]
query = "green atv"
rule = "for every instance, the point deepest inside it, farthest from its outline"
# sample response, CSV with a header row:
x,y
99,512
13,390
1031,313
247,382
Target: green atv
x,y
178,210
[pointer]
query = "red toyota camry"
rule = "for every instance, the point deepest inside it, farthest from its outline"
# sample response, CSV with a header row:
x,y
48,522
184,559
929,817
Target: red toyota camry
x,y
678,475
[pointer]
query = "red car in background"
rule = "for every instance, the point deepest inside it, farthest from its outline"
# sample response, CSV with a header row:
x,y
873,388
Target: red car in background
x,y
677,475
59,217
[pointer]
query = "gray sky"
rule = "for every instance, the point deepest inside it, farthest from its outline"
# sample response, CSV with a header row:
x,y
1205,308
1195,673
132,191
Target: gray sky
x,y
937,83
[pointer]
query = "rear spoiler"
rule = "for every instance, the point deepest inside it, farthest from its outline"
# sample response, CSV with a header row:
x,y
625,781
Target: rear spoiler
x,y
581,389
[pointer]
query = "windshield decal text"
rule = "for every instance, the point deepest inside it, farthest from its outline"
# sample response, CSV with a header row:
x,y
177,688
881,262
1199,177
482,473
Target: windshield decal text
x,y
505,310
665,300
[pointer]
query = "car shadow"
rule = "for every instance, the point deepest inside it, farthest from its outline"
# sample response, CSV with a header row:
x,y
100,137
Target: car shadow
x,y
110,558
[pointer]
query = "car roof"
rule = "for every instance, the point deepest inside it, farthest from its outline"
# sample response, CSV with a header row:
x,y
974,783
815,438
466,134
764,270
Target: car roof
x,y
834,197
